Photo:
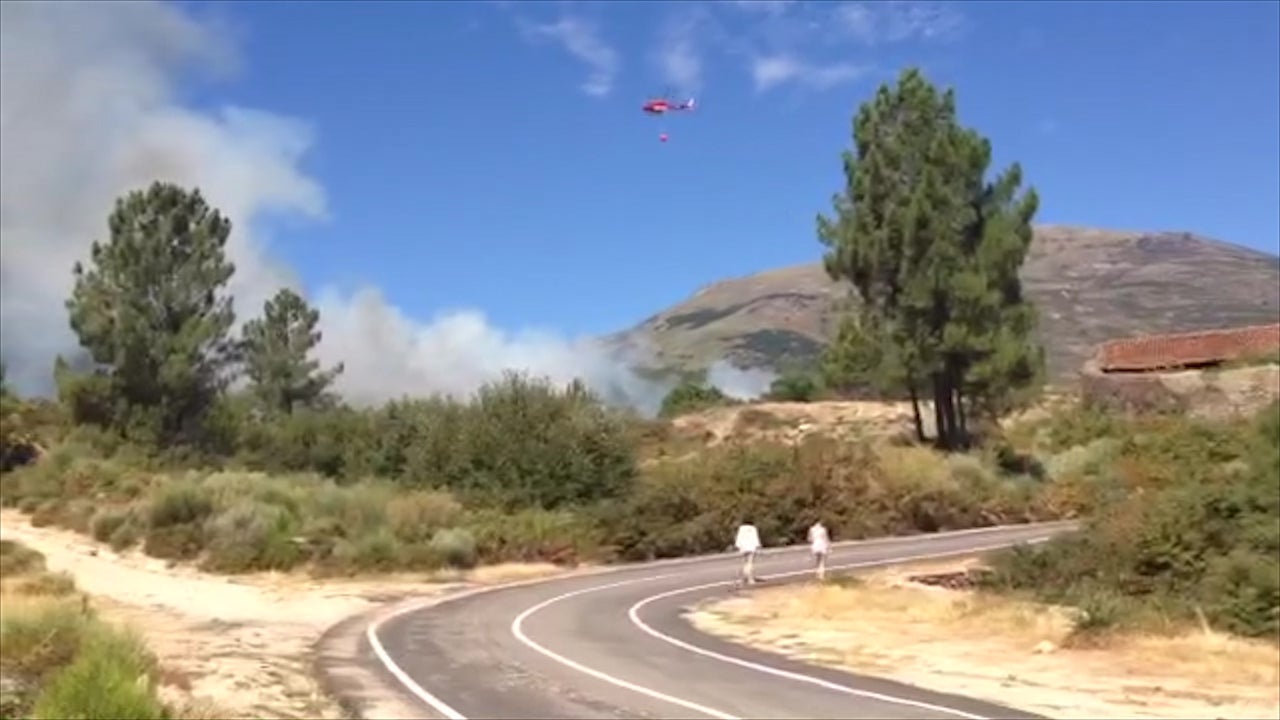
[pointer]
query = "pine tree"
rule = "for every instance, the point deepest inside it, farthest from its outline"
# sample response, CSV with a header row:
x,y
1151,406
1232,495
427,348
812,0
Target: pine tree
x,y
933,252
275,350
150,311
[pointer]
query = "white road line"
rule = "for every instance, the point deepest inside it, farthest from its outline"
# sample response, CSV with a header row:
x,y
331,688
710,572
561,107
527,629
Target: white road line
x,y
634,614
435,703
517,630
432,701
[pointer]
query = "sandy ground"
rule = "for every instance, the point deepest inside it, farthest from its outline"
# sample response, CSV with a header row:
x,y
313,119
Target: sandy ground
x,y
236,647
999,650
793,421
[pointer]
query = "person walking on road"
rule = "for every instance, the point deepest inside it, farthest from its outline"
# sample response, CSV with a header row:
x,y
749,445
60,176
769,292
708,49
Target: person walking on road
x,y
747,542
820,546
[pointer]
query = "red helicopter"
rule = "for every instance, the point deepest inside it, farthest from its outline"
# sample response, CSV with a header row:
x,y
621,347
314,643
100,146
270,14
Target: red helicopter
x,y
662,105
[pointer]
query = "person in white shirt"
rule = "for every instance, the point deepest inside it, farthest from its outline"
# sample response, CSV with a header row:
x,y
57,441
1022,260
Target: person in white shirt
x,y
747,542
820,546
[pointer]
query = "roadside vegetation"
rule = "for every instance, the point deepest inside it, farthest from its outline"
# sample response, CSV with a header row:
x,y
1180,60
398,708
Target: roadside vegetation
x,y
57,659
420,485
1182,524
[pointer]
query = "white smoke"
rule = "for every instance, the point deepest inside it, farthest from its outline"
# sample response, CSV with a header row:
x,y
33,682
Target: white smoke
x,y
88,112
739,383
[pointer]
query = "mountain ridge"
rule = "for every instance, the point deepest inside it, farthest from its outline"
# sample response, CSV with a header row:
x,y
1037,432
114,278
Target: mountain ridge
x,y
1090,285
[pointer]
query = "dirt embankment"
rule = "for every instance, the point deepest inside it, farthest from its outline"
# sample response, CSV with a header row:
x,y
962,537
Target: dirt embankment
x,y
1000,650
1212,394
241,646
791,422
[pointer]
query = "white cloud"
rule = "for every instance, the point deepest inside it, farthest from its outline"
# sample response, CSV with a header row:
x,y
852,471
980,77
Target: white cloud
x,y
771,71
897,21
678,53
858,20
88,112
581,39
764,7
814,45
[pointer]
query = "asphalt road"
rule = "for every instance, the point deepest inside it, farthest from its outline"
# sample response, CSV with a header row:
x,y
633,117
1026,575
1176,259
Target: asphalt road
x,y
614,645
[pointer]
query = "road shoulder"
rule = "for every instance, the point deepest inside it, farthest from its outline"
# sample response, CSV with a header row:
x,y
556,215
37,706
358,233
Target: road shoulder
x,y
957,642
349,672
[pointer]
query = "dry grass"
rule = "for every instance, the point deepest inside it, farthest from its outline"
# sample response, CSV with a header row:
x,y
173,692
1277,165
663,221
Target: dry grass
x,y
510,572
1002,650
791,422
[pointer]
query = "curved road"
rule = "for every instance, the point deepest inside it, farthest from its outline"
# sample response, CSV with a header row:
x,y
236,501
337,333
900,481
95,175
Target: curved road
x,y
612,644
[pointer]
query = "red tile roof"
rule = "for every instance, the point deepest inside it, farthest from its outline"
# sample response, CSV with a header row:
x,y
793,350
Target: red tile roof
x,y
1156,352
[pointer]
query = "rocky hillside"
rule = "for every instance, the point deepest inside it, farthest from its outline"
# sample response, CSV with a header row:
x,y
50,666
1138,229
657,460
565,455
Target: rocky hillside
x,y
1090,285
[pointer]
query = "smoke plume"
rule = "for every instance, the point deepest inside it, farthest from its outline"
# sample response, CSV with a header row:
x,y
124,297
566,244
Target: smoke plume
x,y
89,110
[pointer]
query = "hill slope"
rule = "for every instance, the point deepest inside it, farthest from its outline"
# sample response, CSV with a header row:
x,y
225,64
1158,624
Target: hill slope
x,y
1090,285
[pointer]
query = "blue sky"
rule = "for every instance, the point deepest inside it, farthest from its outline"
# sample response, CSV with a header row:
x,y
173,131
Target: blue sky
x,y
494,155
466,188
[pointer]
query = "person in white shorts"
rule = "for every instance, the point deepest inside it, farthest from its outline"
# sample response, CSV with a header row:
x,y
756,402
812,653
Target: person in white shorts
x,y
820,546
747,542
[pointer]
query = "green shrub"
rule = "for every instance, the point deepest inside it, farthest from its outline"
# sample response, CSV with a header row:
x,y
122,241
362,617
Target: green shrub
x,y
174,542
125,536
690,397
181,502
523,443
1242,593
419,515
58,584
1088,459
29,504
18,559
455,547
251,535
559,536
77,515
47,513
110,677
1187,523
375,551
107,521
349,511
690,506
175,520
36,642
795,387
1098,612
1080,425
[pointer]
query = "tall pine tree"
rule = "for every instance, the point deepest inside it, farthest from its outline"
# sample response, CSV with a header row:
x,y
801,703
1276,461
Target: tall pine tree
x,y
275,349
151,313
933,251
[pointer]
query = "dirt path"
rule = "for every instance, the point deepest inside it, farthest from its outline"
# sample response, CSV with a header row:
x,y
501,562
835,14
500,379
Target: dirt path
x,y
1002,651
238,647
